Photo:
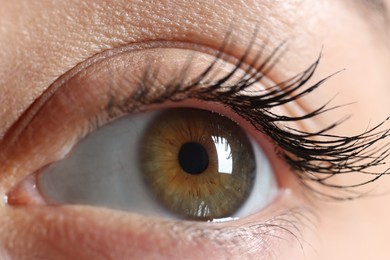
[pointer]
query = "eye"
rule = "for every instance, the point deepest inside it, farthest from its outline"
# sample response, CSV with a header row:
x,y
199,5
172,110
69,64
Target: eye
x,y
101,168
181,162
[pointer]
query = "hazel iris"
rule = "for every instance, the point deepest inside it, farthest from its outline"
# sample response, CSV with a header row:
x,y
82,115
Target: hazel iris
x,y
198,164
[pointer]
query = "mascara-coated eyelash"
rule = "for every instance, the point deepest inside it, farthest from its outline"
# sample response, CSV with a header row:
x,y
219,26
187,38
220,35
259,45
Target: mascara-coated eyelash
x,y
313,156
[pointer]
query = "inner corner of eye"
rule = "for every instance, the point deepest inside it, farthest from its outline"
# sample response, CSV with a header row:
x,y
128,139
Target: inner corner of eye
x,y
178,162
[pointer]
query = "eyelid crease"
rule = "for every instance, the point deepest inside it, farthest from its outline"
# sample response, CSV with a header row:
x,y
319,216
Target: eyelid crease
x,y
27,116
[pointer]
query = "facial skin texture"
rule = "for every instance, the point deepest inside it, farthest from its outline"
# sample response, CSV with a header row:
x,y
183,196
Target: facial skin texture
x,y
42,40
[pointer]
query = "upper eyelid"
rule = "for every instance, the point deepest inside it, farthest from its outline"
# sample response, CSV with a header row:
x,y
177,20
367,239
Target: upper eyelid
x,y
228,54
16,130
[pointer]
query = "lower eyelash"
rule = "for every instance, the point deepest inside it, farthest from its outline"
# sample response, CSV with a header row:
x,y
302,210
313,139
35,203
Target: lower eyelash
x,y
315,157
256,238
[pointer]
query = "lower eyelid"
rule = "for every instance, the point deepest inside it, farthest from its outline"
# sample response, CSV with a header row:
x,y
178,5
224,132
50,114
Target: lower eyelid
x,y
84,232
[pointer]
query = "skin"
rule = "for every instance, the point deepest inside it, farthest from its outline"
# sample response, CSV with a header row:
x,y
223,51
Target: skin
x,y
42,41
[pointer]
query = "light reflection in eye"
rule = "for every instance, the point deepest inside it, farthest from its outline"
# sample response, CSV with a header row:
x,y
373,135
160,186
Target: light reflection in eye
x,y
105,169
224,152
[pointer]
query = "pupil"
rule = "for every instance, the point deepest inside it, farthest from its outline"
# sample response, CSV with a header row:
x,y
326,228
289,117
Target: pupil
x,y
193,158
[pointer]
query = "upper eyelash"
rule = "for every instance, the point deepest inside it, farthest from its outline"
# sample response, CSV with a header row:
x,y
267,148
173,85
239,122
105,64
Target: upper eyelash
x,y
305,152
314,156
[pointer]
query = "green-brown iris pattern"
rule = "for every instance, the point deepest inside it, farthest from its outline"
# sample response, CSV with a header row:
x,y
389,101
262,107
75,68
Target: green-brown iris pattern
x,y
198,164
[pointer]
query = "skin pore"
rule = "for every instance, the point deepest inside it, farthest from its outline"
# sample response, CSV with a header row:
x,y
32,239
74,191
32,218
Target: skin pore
x,y
42,41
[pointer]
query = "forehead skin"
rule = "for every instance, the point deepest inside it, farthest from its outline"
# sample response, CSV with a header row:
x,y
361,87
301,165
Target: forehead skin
x,y
42,40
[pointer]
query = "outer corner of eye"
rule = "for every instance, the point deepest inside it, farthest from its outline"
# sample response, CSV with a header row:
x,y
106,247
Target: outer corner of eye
x,y
180,162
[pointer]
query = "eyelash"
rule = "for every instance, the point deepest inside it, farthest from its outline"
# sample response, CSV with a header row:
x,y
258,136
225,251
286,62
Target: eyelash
x,y
315,157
